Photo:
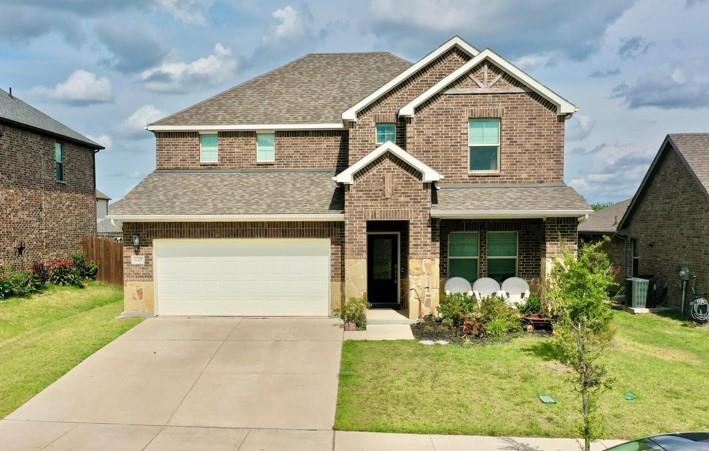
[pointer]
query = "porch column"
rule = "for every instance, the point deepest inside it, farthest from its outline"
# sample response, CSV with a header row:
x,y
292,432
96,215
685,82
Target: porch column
x,y
355,256
424,267
560,236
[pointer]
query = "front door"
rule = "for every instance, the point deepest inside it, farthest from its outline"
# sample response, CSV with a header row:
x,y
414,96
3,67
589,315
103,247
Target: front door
x,y
382,269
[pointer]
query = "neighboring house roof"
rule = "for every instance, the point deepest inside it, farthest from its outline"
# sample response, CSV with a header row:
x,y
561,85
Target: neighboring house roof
x,y
314,89
605,220
237,194
427,173
455,41
17,112
692,150
563,106
101,196
508,201
105,226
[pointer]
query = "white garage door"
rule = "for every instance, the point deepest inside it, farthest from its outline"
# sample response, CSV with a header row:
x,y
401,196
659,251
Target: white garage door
x,y
251,277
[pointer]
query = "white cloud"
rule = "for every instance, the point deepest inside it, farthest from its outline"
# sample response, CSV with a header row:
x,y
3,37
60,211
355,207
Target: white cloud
x,y
667,88
187,11
81,88
102,139
570,29
579,128
290,26
535,60
134,125
179,76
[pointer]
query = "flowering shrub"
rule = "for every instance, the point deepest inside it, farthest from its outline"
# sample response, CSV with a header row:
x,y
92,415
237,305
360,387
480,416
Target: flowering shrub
x,y
18,283
63,271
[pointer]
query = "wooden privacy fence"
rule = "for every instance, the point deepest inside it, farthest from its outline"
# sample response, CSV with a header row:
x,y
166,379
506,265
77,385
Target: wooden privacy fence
x,y
108,255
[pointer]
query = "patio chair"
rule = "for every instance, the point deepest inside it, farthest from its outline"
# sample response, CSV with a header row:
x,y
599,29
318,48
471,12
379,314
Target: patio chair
x,y
515,290
458,285
485,287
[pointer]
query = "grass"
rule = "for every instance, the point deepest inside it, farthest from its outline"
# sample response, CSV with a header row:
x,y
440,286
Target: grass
x,y
46,335
403,386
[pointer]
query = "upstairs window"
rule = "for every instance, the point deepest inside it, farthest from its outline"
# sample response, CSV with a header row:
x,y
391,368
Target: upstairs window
x,y
209,148
59,162
484,145
501,255
386,132
265,147
636,257
463,255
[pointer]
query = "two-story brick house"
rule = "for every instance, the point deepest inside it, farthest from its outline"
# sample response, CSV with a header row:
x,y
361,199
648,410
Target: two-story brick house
x,y
47,185
340,175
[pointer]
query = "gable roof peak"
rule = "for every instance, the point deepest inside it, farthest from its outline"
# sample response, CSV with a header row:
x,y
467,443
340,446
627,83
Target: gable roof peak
x,y
455,41
428,174
563,106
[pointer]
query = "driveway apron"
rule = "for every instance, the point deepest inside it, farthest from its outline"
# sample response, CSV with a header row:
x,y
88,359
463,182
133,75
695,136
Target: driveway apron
x,y
172,381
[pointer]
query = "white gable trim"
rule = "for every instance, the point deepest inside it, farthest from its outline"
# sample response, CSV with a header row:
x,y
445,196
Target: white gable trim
x,y
428,175
245,127
563,107
455,41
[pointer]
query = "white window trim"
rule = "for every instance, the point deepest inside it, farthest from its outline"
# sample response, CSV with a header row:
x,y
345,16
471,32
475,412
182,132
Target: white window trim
x,y
376,135
500,257
499,133
201,161
448,270
266,132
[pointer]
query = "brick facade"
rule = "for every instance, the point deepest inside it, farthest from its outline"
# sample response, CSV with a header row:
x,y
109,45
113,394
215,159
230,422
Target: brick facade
x,y
671,225
362,134
294,149
50,217
531,134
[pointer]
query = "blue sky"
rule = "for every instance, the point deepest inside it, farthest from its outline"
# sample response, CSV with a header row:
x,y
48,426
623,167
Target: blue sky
x,y
636,69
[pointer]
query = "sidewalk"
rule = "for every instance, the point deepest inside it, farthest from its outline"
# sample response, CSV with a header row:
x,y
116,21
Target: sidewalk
x,y
371,441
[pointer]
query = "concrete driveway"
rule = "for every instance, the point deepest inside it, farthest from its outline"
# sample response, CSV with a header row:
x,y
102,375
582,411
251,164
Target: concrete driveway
x,y
193,383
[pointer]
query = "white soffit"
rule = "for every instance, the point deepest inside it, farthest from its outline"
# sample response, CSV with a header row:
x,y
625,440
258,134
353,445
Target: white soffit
x,y
563,106
456,41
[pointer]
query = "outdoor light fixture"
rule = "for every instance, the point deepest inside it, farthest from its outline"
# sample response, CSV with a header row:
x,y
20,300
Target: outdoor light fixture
x,y
136,243
20,249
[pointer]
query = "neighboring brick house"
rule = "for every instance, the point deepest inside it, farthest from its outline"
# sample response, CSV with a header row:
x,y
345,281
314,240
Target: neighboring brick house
x,y
343,175
666,225
603,224
105,226
47,185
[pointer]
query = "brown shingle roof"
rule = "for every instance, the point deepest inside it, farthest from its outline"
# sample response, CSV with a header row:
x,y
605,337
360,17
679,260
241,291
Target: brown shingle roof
x,y
509,198
18,112
605,220
316,88
694,149
232,192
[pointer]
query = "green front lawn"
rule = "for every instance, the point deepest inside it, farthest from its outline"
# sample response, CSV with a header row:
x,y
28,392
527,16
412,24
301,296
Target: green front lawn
x,y
46,335
403,386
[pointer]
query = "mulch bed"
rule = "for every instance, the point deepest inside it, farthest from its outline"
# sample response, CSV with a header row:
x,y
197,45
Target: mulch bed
x,y
434,330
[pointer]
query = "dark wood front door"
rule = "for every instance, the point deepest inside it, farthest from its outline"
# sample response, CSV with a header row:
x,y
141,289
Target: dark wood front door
x,y
382,270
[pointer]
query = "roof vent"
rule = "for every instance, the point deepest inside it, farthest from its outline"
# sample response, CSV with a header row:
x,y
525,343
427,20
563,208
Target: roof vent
x,y
10,93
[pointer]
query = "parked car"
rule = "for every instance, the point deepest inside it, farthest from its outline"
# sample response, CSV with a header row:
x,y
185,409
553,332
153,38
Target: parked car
x,y
681,441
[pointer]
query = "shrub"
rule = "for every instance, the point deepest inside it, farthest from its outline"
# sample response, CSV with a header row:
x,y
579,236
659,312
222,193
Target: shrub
x,y
19,283
5,291
355,311
40,272
84,269
456,307
533,304
62,271
495,313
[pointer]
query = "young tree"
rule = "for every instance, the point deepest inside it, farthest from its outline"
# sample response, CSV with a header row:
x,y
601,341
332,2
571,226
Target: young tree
x,y
578,292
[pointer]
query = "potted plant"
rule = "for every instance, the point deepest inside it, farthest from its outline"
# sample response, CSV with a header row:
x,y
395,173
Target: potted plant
x,y
354,313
